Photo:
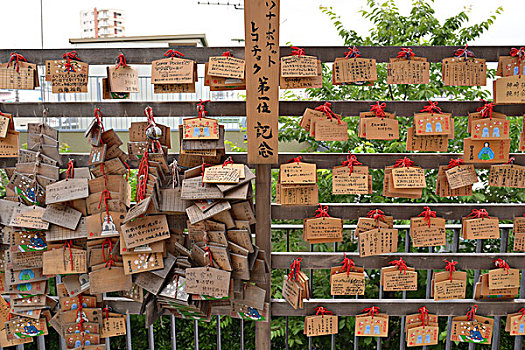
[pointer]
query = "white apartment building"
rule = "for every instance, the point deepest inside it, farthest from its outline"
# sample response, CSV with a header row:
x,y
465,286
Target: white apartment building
x,y
101,23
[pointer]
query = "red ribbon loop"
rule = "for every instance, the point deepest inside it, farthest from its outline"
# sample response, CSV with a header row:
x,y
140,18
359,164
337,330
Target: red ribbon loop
x,y
203,167
378,109
431,108
522,310
405,53
68,244
376,214
326,109
107,242
322,311
348,265
16,57
427,214
471,315
228,160
227,54
400,265
451,267
478,213
502,264
511,160
98,117
295,268
297,51
172,53
202,109
464,52
455,162
518,53
70,56
423,315
352,52
121,61
322,212
295,160
350,161
69,171
371,311
208,251
486,109
403,163
142,177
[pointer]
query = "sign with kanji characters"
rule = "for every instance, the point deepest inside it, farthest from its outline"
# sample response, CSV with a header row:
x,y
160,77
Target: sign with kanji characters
x,y
261,20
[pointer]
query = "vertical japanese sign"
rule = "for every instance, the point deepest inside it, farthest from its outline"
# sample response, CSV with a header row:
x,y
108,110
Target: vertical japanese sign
x,y
261,23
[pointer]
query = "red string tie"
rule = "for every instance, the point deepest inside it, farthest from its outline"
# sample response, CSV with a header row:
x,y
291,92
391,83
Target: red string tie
x,y
405,53
68,244
98,117
371,311
376,214
322,311
378,109
295,160
295,268
322,212
229,160
297,51
486,109
464,52
201,108
172,53
431,108
68,56
478,213
403,163
522,310
104,196
455,162
109,244
203,166
17,58
208,252
328,111
423,315
348,265
227,54
350,161
502,264
427,214
520,54
121,61
352,52
400,265
451,267
69,171
471,315
511,160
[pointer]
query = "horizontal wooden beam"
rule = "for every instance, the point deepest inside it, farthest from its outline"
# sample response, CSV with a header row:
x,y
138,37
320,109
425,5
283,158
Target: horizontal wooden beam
x,y
144,55
400,211
323,160
399,307
233,108
421,261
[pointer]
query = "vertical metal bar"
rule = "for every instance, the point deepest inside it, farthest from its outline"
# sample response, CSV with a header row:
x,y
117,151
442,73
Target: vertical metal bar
x,y
242,334
479,248
455,247
58,280
332,337
311,286
402,333
41,342
151,338
219,343
108,346
173,333
196,334
286,343
428,286
129,346
497,319
20,347
518,341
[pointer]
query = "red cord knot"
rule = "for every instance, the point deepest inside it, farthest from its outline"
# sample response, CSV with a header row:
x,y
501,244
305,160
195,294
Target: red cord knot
x,y
68,56
486,109
403,163
405,53
478,213
203,167
295,160
519,53
172,53
378,109
297,51
208,253
522,310
320,310
295,268
17,58
228,160
376,215
400,265
431,108
464,52
427,214
70,169
371,311
327,110
227,54
450,267
121,61
322,212
348,265
201,108
502,264
98,117
350,161
455,162
423,315
471,315
352,52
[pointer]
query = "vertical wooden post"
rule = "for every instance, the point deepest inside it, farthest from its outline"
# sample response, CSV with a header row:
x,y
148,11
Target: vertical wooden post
x,y
263,239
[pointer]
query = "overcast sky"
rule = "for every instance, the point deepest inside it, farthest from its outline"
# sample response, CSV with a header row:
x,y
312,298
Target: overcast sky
x,y
302,23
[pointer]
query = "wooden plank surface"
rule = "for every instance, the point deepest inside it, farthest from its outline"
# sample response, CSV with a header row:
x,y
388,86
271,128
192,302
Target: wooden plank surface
x,y
233,108
398,307
400,211
144,55
323,160
421,261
